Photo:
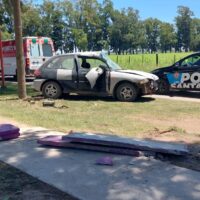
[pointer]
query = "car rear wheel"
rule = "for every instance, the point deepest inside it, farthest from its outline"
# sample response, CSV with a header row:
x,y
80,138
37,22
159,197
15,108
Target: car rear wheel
x,y
51,90
127,92
163,87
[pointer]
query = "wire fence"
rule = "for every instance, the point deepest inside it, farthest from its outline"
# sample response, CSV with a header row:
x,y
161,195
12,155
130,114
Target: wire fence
x,y
147,62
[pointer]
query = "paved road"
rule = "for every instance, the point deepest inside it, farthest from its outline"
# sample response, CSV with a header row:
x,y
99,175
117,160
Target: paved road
x,y
179,96
75,172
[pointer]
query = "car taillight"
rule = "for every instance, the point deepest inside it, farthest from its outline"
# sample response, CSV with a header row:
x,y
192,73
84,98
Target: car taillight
x,y
27,62
37,73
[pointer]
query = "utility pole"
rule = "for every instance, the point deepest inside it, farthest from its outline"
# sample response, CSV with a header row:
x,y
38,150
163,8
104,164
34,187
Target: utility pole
x,y
1,63
19,49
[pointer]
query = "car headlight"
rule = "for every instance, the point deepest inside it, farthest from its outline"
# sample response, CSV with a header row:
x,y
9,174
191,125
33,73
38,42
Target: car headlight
x,y
144,81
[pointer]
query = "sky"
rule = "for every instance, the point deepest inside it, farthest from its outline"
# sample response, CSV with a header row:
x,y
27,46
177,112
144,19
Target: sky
x,y
165,10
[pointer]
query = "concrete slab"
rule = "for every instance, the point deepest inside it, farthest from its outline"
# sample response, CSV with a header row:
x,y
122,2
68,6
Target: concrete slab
x,y
75,172
127,142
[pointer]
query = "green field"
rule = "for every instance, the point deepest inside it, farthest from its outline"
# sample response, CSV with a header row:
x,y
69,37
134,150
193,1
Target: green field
x,y
147,62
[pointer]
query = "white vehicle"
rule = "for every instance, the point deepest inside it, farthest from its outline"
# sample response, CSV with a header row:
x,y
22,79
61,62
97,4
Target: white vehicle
x,y
36,51
92,73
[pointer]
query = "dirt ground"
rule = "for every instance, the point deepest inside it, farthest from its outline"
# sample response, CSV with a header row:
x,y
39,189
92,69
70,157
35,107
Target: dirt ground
x,y
191,161
16,185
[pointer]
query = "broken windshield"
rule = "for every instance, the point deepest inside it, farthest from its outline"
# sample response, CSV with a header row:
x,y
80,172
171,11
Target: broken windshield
x,y
110,63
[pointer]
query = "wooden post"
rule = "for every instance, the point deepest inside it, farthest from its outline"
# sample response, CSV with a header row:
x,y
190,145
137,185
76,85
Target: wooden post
x,y
174,58
19,49
142,59
157,59
2,66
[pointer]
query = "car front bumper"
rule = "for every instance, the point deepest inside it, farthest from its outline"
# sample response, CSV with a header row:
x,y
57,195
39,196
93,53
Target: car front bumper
x,y
149,88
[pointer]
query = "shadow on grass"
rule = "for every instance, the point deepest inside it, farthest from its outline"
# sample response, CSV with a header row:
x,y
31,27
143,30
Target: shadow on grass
x,y
75,97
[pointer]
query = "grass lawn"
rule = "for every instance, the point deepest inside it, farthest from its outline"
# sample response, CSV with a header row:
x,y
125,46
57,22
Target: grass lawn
x,y
142,118
147,62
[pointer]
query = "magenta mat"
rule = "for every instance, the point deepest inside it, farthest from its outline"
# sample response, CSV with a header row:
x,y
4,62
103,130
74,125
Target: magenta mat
x,y
8,131
58,141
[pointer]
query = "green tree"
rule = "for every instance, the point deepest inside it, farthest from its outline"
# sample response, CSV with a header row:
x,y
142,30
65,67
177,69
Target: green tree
x,y
195,35
167,37
119,32
80,39
31,20
6,17
183,24
106,14
52,23
152,27
133,36
5,34
87,18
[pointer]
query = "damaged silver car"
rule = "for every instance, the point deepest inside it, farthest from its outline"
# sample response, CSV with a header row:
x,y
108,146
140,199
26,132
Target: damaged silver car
x,y
92,73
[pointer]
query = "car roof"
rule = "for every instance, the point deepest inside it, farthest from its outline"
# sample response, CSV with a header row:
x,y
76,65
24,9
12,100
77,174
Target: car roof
x,y
86,54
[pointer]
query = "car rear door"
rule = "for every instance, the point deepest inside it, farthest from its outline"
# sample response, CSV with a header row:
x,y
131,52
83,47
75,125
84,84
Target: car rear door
x,y
62,69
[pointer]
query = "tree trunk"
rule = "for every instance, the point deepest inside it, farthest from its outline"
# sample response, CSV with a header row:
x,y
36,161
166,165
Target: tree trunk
x,y
19,49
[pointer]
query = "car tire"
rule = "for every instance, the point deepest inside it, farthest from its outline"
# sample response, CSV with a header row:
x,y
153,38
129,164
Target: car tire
x,y
51,90
163,86
126,92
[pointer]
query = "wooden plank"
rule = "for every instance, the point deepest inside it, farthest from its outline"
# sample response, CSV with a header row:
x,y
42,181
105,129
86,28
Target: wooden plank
x,y
130,143
57,141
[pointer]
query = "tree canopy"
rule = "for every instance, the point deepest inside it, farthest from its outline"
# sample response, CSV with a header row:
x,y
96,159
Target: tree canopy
x,y
90,25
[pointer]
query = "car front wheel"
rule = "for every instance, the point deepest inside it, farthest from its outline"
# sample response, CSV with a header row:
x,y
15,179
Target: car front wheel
x,y
51,90
127,92
163,87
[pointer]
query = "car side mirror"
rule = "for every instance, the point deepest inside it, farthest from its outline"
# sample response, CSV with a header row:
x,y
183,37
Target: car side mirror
x,y
176,65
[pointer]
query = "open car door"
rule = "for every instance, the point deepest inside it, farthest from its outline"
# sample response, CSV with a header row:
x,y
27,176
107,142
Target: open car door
x,y
93,75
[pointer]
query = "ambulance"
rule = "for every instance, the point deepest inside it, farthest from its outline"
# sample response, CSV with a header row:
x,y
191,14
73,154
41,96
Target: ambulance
x,y
36,51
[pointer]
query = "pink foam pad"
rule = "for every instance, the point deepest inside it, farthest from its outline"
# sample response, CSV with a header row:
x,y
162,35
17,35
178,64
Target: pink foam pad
x,y
52,140
9,137
58,141
8,131
104,161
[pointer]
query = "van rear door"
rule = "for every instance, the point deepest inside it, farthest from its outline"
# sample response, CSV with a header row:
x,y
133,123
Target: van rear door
x,y
35,55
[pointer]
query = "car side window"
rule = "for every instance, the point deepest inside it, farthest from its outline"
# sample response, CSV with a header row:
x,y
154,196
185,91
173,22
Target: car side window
x,y
61,63
53,64
68,63
191,61
96,63
89,63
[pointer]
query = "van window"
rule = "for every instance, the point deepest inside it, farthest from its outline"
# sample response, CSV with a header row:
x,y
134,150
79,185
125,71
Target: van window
x,y
47,50
34,50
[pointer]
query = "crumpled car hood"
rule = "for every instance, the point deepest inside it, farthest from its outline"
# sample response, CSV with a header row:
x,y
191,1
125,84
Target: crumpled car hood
x,y
140,73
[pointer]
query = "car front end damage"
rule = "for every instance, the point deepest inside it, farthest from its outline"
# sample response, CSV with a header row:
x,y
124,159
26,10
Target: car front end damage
x,y
146,83
148,87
